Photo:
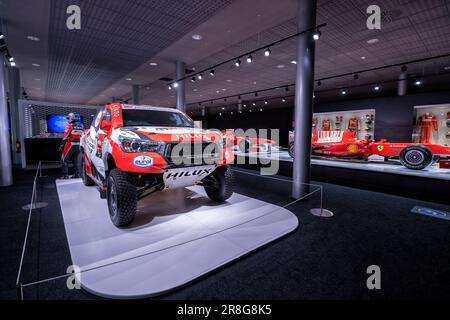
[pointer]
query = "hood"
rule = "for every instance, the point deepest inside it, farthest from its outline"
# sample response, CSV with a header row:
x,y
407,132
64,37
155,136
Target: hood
x,y
170,134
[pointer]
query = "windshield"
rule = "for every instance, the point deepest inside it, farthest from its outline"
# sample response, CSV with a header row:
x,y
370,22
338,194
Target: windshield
x,y
155,118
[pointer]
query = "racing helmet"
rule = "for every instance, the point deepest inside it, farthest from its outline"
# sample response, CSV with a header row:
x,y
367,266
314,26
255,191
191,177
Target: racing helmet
x,y
73,117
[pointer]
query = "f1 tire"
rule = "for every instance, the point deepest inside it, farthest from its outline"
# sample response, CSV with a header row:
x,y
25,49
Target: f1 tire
x,y
220,184
87,181
122,198
291,149
416,157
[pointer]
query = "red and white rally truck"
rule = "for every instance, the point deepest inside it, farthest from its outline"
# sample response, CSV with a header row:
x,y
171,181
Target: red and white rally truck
x,y
132,151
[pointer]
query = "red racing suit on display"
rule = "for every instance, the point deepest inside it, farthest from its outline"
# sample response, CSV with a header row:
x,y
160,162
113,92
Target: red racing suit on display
x,y
70,146
326,125
427,122
353,124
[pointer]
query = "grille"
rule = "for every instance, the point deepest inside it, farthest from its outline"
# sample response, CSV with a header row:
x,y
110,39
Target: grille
x,y
188,153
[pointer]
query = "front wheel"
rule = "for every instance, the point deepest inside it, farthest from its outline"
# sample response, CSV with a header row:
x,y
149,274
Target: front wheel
x,y
219,184
416,157
122,197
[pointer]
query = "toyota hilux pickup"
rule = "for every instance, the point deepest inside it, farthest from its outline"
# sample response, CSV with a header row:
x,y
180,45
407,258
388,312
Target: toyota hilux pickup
x,y
132,151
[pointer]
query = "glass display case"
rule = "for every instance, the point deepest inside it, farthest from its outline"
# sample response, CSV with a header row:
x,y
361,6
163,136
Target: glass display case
x,y
360,121
432,124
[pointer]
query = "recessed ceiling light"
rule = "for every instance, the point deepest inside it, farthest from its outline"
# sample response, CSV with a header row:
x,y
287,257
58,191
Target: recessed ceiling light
x,y
418,82
228,80
35,64
363,58
33,38
128,79
280,66
197,37
153,64
372,41
195,90
447,68
37,79
294,62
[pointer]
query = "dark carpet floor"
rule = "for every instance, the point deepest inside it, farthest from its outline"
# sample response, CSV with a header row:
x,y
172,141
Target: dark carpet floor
x,y
325,258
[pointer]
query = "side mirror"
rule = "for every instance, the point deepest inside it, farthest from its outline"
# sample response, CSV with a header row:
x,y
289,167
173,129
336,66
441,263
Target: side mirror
x,y
106,125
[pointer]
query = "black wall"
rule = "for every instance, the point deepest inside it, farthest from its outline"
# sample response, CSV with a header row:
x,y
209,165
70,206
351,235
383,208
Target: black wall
x,y
279,118
393,121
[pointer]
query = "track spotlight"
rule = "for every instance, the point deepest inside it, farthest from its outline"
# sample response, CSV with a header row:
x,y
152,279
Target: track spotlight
x,y
356,77
220,113
199,76
211,73
404,68
9,57
267,52
283,100
249,58
253,104
316,35
12,64
223,108
175,84
237,63
418,82
193,79
377,88
265,102
169,87
319,83
344,92
2,35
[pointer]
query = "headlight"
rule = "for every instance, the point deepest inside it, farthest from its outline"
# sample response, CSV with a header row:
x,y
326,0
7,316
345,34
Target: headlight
x,y
138,145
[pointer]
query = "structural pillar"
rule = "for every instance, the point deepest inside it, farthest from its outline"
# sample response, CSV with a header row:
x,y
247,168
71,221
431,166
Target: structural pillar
x,y
5,147
14,96
402,84
181,94
304,86
135,93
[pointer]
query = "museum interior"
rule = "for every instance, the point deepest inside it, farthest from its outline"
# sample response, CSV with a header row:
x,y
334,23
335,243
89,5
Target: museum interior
x,y
226,149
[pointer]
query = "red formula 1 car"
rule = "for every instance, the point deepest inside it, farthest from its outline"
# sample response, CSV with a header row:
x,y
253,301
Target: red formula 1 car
x,y
133,151
247,144
345,144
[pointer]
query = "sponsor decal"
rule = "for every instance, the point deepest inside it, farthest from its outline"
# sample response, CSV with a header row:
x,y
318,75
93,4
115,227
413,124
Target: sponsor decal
x,y
352,148
143,161
380,148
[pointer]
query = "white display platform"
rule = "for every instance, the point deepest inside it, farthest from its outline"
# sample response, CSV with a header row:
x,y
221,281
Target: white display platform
x,y
432,172
177,236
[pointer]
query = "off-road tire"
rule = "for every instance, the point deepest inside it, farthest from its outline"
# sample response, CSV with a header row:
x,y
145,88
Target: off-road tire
x,y
291,149
122,197
223,184
416,157
87,181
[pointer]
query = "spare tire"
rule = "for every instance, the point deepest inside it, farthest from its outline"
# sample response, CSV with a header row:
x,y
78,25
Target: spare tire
x,y
416,157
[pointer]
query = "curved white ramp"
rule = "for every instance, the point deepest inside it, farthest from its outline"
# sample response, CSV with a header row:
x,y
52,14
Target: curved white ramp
x,y
177,236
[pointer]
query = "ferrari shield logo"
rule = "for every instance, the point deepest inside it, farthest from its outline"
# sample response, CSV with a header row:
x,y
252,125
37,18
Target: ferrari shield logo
x,y
353,148
380,148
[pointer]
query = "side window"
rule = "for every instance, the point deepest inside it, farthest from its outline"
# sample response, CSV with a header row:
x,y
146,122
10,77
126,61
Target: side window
x,y
107,115
97,120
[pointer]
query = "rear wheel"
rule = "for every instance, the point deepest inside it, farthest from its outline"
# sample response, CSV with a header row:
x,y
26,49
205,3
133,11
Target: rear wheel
x,y
219,184
87,181
122,197
291,149
416,157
